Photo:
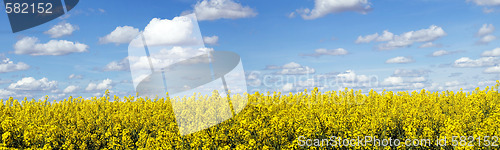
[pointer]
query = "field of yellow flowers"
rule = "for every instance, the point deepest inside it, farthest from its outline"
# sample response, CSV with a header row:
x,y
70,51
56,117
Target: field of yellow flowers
x,y
268,121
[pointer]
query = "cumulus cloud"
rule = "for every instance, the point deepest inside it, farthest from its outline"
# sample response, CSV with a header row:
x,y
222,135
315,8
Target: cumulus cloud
x,y
122,65
403,83
62,29
408,38
393,81
399,60
293,68
386,36
253,78
429,44
211,40
291,15
367,38
486,39
481,62
4,94
287,87
351,76
325,52
104,85
324,7
443,53
74,76
416,79
484,34
485,30
410,72
440,53
6,65
493,53
404,40
181,30
121,34
31,84
30,46
70,89
160,59
494,69
222,9
453,85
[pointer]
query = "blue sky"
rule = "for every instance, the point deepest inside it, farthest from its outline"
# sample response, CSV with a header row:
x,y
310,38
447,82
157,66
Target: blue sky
x,y
285,46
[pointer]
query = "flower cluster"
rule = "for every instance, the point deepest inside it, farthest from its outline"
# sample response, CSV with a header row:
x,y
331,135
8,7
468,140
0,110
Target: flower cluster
x,y
266,121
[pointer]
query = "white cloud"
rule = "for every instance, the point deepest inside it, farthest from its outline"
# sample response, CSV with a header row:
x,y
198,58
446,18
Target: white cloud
x,y
122,34
406,39
73,76
367,38
254,82
291,15
31,84
291,65
386,36
487,83
429,44
399,60
494,69
30,46
485,30
181,30
400,83
332,52
485,34
4,94
493,53
222,9
481,62
121,65
287,87
104,85
351,76
453,83
162,58
416,79
6,65
324,7
410,72
441,53
293,68
62,29
252,78
486,39
211,40
70,89
393,81
485,2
